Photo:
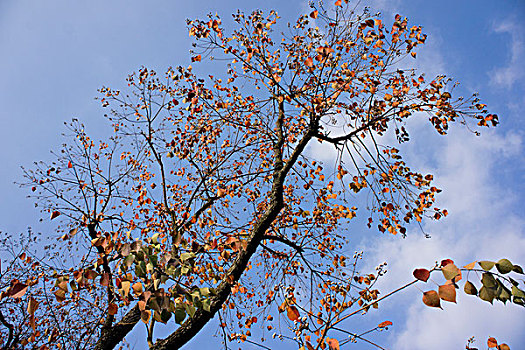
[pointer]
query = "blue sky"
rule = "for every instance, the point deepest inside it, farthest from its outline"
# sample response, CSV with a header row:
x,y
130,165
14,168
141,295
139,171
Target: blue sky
x,y
55,54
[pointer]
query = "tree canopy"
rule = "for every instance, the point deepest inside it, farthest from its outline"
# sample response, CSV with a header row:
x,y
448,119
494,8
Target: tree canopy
x,y
206,202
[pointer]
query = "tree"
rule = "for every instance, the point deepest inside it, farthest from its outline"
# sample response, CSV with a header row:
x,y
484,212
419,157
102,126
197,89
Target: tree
x,y
205,201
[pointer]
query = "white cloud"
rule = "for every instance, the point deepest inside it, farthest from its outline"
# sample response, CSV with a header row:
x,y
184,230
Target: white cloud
x,y
483,224
507,75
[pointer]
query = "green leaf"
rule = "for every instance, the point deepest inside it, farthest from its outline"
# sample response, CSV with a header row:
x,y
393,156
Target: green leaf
x,y
206,305
180,315
504,266
450,271
517,292
128,260
470,288
503,293
519,301
165,316
486,294
190,309
186,256
517,269
489,281
486,265
205,291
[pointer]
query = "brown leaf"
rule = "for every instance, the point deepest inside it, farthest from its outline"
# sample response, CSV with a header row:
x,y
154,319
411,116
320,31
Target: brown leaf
x,y
144,316
104,280
503,347
421,274
314,14
293,313
32,306
112,309
431,298
447,292
54,214
17,290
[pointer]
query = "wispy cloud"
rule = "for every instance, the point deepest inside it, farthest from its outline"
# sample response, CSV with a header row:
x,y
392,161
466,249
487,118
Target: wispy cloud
x,y
506,76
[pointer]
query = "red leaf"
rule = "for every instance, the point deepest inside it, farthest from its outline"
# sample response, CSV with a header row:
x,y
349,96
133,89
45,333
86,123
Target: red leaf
x,y
338,3
69,165
384,324
54,214
446,262
421,274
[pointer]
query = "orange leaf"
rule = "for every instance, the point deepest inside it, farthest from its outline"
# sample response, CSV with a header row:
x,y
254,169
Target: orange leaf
x,y
293,313
447,292
69,165
421,274
431,298
309,62
503,347
470,266
338,3
384,324
54,214
333,344
314,14
492,342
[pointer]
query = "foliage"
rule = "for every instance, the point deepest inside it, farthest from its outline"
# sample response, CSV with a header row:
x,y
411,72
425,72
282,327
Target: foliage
x,y
206,201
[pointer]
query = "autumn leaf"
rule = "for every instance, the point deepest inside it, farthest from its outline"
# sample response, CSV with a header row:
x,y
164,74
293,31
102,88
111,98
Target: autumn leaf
x,y
421,274
104,280
338,3
447,292
113,308
333,344
470,288
470,266
292,313
445,262
309,62
492,343
503,347
54,214
17,290
314,14
431,298
144,315
384,324
450,271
